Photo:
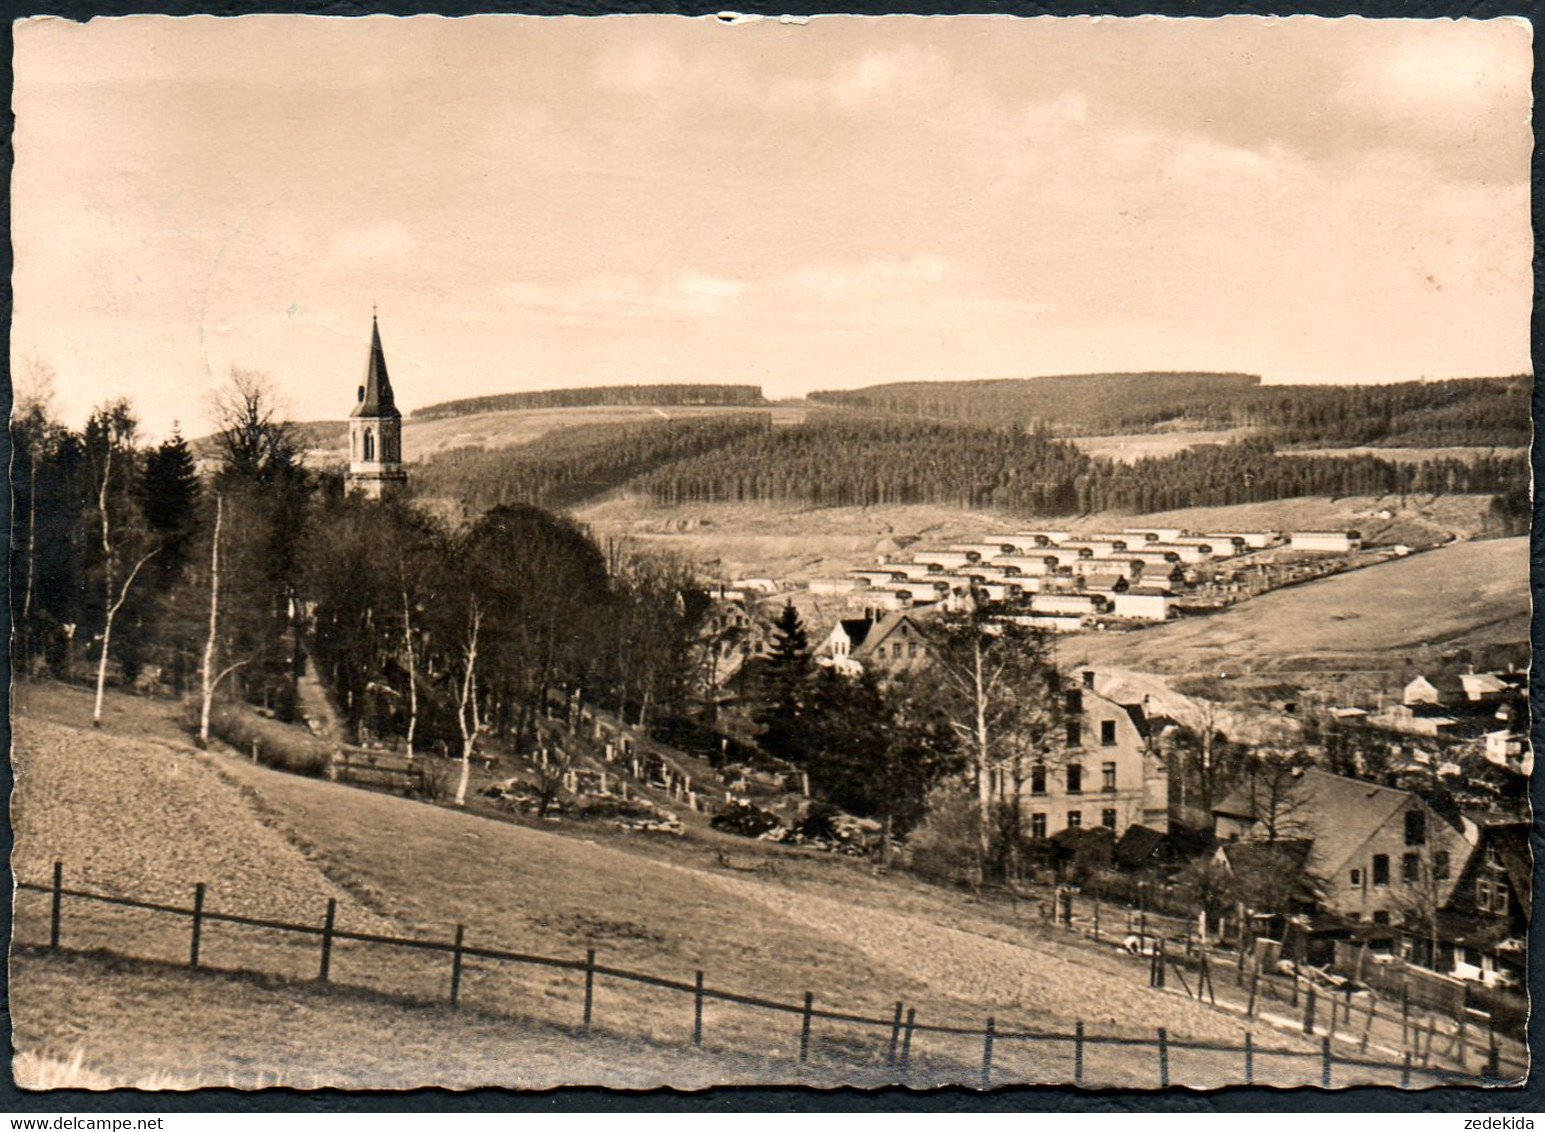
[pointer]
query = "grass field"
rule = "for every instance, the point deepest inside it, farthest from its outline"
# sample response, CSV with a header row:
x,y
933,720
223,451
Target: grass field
x,y
1131,447
134,809
1467,593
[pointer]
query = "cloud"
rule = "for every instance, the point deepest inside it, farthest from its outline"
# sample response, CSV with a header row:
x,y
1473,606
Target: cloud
x,y
871,280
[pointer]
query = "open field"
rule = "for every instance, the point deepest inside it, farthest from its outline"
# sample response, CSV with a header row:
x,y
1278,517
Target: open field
x,y
796,543
1467,593
520,426
1128,448
132,809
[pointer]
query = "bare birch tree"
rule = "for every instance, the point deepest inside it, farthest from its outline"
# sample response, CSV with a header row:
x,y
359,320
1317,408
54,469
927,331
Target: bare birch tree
x,y
466,706
209,679
117,428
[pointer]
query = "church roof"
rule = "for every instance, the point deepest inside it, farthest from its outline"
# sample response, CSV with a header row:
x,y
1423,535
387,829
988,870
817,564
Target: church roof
x,y
375,395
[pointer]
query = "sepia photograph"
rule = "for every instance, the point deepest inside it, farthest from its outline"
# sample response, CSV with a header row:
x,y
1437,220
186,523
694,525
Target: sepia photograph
x,y
655,551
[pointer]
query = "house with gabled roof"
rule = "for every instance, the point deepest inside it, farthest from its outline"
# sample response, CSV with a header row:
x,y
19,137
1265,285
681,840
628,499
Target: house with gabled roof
x,y
1372,845
1483,926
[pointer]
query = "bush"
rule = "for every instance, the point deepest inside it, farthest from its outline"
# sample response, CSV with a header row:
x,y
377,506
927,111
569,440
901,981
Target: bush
x,y
278,745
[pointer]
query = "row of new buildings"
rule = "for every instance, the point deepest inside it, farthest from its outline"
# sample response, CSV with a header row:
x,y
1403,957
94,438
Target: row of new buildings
x,y
1060,580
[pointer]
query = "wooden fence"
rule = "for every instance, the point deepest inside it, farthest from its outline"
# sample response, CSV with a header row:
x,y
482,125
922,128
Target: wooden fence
x,y
1465,1038
900,1030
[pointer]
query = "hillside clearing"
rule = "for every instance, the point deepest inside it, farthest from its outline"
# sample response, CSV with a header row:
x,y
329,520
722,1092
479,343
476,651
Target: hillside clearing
x,y
129,811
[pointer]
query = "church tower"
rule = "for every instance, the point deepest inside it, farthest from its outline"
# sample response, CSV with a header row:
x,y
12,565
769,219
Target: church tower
x,y
375,428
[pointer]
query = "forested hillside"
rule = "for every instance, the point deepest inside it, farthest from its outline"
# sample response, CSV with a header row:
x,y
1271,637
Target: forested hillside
x,y
569,465
748,395
1477,411
869,462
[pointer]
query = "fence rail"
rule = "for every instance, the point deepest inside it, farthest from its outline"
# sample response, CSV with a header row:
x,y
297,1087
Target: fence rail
x,y
902,1025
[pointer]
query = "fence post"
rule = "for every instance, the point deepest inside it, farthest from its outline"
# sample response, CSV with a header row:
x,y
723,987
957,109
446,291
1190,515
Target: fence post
x,y
1463,1018
1255,979
1362,1045
327,939
1493,1061
1405,1070
1405,1010
589,984
906,1040
58,906
890,1054
697,1012
1158,963
456,966
1096,917
804,1030
1309,1012
1325,1057
1078,1053
1163,1059
198,923
987,1055
1249,1059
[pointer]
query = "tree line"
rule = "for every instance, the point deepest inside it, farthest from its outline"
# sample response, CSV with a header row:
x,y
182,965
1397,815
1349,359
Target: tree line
x,y
1484,412
746,395
844,462
566,466
230,581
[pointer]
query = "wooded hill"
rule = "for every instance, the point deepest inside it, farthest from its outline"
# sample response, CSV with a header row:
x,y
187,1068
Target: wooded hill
x,y
569,465
748,395
1475,411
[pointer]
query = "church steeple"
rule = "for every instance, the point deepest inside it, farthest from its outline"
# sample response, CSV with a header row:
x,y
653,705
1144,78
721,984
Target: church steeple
x,y
375,396
375,427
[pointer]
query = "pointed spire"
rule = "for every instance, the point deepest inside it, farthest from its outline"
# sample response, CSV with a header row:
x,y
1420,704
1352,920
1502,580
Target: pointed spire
x,y
375,396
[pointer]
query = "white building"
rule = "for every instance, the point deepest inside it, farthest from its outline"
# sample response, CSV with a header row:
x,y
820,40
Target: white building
x,y
1055,622
1143,603
947,559
1081,604
1027,564
1184,552
1157,534
834,585
1051,537
1254,540
1326,542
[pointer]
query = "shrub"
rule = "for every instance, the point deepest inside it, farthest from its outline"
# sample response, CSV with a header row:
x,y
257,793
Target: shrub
x,y
278,745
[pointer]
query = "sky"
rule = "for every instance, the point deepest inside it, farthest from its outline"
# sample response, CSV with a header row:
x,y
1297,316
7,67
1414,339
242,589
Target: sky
x,y
539,203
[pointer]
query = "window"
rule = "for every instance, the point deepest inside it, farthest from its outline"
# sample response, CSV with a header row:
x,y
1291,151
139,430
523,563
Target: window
x,y
1038,826
1380,869
1075,819
912,649
1357,878
1493,857
1075,735
1073,701
1107,732
1416,827
1075,779
1108,819
1381,917
1440,866
1499,900
1483,895
1108,776
1411,867
1038,780
896,650
370,445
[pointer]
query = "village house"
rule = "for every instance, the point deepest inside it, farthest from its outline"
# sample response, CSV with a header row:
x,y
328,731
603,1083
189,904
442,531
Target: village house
x,y
1127,567
1166,576
1107,585
1374,849
1183,552
1083,605
1483,926
1254,540
1103,771
1441,688
1143,603
1511,749
1326,542
1416,719
886,645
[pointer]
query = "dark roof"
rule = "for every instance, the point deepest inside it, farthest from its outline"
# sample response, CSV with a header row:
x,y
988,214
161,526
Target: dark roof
x,y
1443,682
857,628
375,395
1139,845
